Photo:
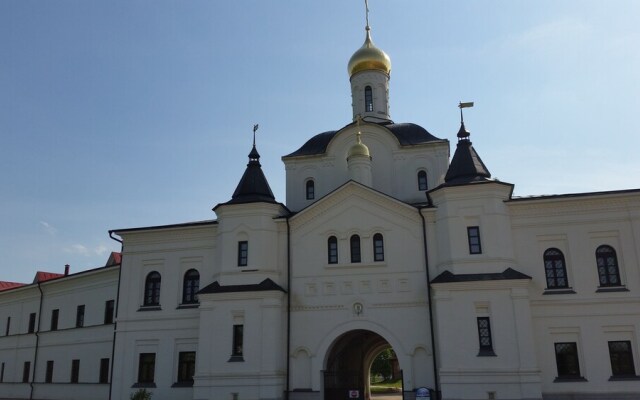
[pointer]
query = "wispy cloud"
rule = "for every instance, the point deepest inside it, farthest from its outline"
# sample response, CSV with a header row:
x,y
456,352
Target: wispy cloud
x,y
555,34
77,249
48,228
100,249
82,250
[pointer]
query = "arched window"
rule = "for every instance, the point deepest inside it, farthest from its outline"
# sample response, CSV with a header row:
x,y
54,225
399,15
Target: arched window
x,y
422,180
368,99
332,250
152,289
355,249
311,189
190,286
555,269
378,247
607,262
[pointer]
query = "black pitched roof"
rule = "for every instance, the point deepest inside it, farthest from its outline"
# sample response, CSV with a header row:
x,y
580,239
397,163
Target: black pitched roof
x,y
265,285
466,165
507,274
408,134
253,186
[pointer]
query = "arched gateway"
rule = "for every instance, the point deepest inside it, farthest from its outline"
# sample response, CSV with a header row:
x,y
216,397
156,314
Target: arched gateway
x,y
348,363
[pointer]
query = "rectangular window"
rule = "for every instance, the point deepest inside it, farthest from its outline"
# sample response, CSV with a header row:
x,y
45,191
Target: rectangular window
x,y
109,308
8,326
243,253
186,366
146,367
567,360
80,316
621,358
484,337
473,234
104,370
32,323
75,371
54,319
26,368
48,377
2,373
237,340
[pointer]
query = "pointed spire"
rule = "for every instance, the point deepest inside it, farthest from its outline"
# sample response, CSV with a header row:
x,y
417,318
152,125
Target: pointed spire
x,y
253,186
466,165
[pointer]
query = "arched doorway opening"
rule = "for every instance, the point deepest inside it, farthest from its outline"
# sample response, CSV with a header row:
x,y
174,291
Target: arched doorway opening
x,y
348,364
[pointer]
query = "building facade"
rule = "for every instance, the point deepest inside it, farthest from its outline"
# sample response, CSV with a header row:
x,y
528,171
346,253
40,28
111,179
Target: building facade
x,y
385,241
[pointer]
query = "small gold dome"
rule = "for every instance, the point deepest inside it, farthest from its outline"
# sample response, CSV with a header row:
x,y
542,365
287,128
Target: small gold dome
x,y
369,57
359,149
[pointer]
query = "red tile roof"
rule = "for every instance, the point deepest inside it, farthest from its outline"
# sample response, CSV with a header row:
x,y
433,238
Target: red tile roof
x,y
114,259
10,285
42,276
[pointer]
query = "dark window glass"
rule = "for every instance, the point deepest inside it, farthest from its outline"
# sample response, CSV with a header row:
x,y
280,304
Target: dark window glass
x,y
54,319
109,308
422,180
378,247
355,249
368,99
484,336
75,371
2,373
567,360
80,316
332,250
8,327
607,261
243,253
621,358
146,367
473,234
186,366
26,368
555,270
48,377
32,323
104,371
311,189
152,289
190,286
237,340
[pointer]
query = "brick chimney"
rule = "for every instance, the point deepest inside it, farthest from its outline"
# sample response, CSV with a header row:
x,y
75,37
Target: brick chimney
x,y
66,269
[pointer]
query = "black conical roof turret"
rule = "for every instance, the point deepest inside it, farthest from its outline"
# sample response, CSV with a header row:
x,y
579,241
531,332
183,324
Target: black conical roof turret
x,y
253,186
466,165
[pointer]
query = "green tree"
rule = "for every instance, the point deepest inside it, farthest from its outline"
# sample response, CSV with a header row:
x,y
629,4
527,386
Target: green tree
x,y
382,364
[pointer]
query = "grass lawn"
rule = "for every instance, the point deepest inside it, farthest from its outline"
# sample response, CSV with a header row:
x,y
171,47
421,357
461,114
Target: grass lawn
x,y
386,387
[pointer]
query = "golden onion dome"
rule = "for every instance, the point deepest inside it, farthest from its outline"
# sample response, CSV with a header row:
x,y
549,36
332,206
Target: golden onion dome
x,y
369,57
359,149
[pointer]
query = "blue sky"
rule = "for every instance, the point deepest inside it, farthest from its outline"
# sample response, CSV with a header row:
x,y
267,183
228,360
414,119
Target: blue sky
x,y
118,114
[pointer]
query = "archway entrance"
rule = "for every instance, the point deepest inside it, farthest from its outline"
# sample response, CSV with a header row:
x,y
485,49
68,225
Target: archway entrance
x,y
348,364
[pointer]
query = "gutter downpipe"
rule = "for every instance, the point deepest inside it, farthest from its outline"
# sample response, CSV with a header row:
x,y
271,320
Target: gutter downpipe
x,y
35,355
433,340
115,317
286,395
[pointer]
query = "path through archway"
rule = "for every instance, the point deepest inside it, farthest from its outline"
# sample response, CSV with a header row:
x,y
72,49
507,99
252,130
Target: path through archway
x,y
347,365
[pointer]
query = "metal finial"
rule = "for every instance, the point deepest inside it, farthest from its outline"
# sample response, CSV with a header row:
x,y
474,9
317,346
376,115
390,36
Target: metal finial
x,y
462,105
366,7
255,128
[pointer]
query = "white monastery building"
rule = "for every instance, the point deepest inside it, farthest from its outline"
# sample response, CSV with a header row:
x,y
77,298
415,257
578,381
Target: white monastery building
x,y
385,241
